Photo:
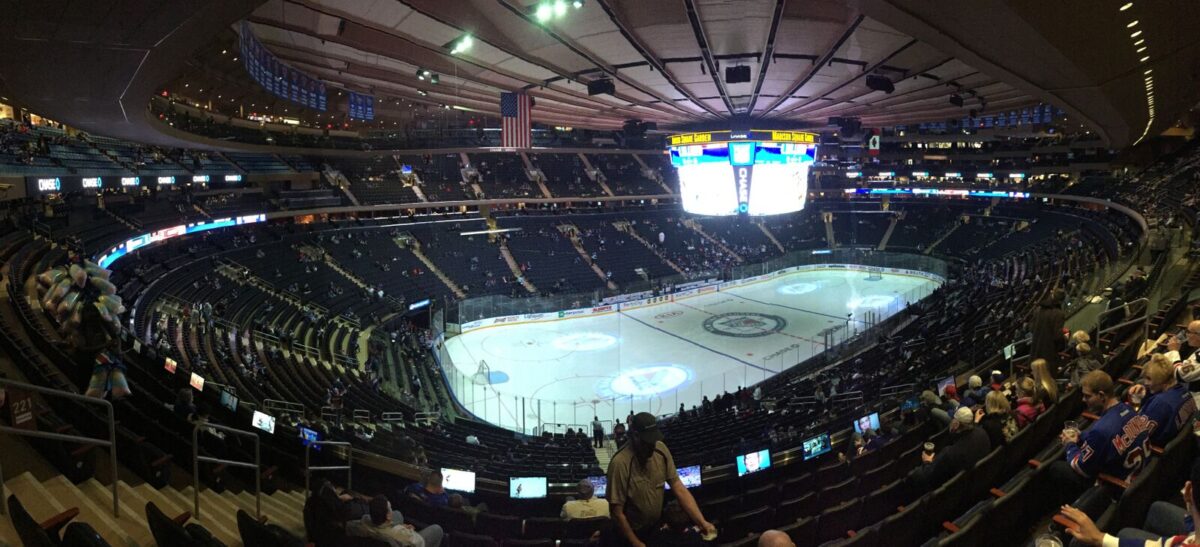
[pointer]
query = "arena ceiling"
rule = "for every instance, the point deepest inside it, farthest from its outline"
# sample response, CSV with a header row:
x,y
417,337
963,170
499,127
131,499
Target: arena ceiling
x,y
808,60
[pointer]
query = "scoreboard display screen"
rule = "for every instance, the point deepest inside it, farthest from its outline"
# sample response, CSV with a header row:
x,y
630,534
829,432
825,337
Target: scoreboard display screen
x,y
721,175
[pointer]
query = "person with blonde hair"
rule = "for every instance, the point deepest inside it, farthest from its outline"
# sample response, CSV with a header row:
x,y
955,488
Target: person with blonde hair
x,y
1163,399
1028,408
1083,363
1045,387
995,417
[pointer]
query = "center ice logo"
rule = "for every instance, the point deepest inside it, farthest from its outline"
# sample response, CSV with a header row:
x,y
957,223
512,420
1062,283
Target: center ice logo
x,y
744,324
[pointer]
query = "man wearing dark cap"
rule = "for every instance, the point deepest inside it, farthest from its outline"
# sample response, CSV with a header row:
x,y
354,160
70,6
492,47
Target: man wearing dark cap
x,y
636,476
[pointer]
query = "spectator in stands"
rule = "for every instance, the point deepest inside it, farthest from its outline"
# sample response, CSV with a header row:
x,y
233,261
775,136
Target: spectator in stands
x,y
1046,327
1108,446
1163,399
597,432
635,493
183,403
585,506
1089,534
430,489
976,391
384,524
931,407
1184,348
1045,387
969,444
775,538
996,419
1082,364
677,530
1028,408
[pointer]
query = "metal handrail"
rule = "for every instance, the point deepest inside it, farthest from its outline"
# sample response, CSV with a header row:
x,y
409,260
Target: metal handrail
x,y
362,414
197,458
348,467
392,416
896,389
286,406
111,443
1143,318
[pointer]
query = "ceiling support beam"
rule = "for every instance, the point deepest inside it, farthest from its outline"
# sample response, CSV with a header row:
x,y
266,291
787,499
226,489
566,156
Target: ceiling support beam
x,y
654,62
846,34
768,54
702,41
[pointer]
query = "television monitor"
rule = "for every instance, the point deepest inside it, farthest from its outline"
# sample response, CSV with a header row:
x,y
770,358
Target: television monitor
x,y
870,421
458,480
169,365
229,400
689,476
526,487
599,485
816,446
197,382
910,404
265,422
753,462
1009,350
309,436
941,385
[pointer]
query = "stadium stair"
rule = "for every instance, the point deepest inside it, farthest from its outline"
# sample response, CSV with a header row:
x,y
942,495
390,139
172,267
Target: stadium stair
x,y
235,165
573,233
888,234
450,284
593,174
943,238
44,499
827,217
691,223
289,165
516,270
605,454
654,175
624,227
767,232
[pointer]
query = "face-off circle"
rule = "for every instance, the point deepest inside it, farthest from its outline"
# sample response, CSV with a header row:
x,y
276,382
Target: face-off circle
x,y
874,301
796,289
649,380
584,341
744,324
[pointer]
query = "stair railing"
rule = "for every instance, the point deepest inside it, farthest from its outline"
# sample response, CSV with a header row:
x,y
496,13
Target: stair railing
x,y
197,459
348,468
110,443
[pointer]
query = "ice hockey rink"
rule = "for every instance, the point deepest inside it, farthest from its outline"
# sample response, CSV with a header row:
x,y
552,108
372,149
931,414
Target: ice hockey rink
x,y
564,370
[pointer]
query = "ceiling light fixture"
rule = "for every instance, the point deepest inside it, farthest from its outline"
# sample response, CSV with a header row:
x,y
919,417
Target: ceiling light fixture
x,y
1126,6
1144,59
1132,24
544,13
1139,42
1141,49
1135,34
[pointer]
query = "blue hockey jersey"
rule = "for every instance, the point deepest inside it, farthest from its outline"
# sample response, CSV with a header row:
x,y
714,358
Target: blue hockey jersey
x,y
1117,444
1169,410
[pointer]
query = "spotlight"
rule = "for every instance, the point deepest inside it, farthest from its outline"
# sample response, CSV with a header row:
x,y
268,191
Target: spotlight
x,y
956,100
460,44
433,78
577,4
544,13
560,8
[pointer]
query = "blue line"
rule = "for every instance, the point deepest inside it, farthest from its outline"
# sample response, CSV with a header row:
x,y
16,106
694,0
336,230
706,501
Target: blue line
x,y
791,308
668,333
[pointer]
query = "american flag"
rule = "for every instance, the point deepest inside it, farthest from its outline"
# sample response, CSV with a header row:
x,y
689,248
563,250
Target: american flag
x,y
514,114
